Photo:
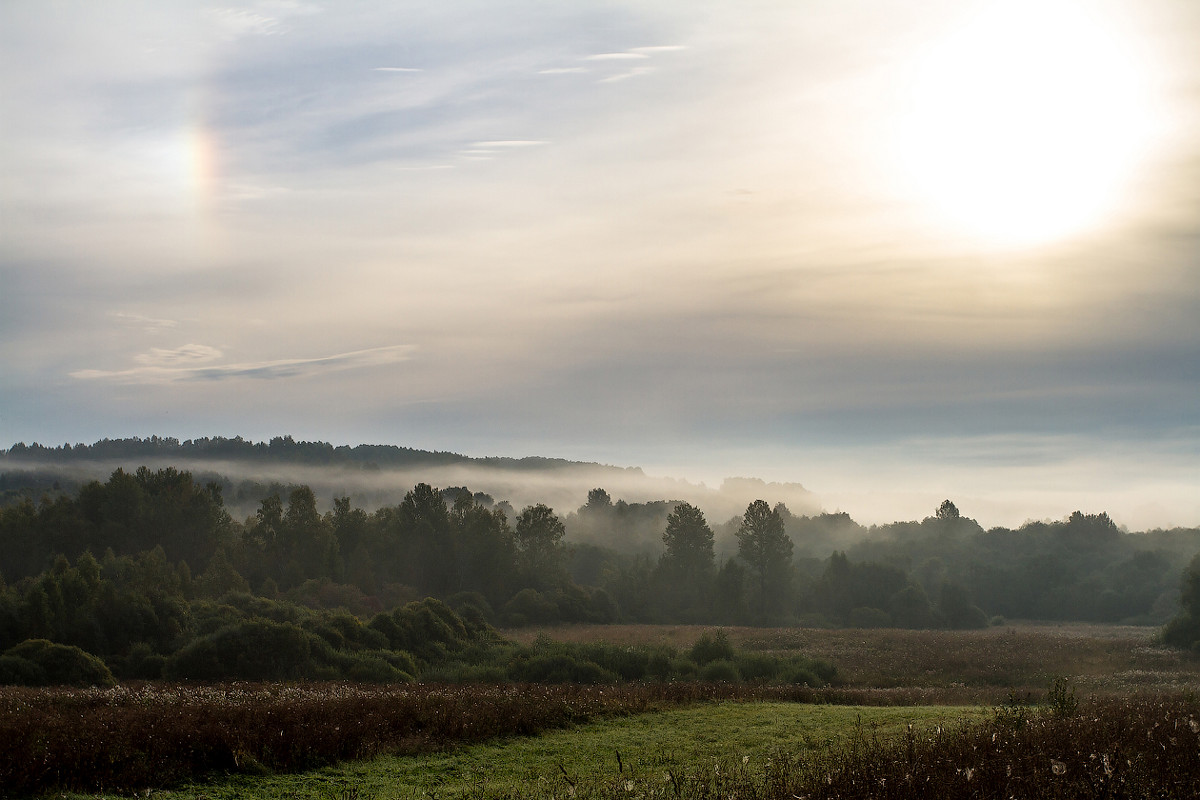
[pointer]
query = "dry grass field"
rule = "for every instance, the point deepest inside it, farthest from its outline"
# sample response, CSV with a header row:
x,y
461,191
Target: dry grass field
x,y
1020,656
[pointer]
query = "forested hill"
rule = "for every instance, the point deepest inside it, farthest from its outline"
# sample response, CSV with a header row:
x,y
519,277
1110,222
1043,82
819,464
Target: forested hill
x,y
373,476
279,450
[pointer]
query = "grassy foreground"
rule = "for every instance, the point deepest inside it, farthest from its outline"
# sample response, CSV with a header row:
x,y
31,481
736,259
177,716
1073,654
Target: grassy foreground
x,y
633,756
1135,731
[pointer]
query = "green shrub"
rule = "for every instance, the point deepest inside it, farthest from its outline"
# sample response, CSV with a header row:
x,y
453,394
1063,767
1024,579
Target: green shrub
x,y
712,648
800,675
427,628
15,671
659,665
560,668
1061,699
720,671
529,606
757,666
591,673
142,663
684,668
355,634
369,668
628,662
332,636
63,664
256,650
826,671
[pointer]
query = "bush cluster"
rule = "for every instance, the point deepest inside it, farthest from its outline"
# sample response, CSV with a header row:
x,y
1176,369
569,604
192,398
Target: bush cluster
x,y
38,662
712,659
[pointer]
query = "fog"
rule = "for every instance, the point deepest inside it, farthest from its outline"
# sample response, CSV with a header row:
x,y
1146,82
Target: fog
x,y
563,488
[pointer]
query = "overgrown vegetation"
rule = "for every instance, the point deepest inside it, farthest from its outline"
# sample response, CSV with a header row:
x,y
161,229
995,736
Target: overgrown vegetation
x,y
133,737
1141,746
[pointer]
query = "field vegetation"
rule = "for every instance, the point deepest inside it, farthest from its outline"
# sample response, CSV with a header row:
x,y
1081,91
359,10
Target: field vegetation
x,y
1026,657
266,738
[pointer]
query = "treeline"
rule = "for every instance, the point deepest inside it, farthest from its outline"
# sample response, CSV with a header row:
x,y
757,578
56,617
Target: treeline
x,y
944,571
280,449
765,567
140,617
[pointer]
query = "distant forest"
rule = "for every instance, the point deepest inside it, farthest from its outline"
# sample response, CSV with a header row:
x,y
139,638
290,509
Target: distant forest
x,y
281,449
141,564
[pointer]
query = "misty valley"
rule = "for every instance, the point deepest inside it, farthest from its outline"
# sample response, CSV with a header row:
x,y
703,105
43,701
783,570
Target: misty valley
x,y
214,600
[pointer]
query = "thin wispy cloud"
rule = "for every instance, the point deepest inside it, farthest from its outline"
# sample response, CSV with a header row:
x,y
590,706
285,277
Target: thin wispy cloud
x,y
623,76
192,363
398,69
562,71
237,22
509,143
625,56
263,19
154,325
659,48
633,54
188,354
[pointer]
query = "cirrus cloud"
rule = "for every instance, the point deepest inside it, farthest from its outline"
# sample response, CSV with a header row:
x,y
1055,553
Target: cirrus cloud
x,y
192,363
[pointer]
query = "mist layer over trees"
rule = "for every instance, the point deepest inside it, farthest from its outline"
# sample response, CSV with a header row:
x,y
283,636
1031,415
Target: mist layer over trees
x,y
139,567
372,476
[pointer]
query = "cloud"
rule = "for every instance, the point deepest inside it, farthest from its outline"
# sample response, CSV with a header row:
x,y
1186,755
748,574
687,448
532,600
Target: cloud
x,y
508,143
659,48
149,324
626,56
621,76
266,20
187,354
561,70
235,23
191,363
398,69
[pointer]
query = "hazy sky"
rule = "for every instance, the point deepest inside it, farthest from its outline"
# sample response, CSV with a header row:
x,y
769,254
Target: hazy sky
x,y
893,251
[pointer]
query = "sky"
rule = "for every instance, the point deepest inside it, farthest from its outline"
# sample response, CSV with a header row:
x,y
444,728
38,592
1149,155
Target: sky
x,y
895,252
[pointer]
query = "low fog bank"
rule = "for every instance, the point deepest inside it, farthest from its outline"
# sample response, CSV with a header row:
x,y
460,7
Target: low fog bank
x,y
563,488
874,487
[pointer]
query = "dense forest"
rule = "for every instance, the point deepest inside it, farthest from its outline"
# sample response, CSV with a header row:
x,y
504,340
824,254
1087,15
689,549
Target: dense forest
x,y
148,570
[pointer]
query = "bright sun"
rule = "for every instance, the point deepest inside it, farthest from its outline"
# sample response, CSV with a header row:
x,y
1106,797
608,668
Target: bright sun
x,y
1026,123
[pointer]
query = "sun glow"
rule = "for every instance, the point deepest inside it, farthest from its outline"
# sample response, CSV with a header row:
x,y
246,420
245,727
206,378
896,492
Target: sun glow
x,y
1026,124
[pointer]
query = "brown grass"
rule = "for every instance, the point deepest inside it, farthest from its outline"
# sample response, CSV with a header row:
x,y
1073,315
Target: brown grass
x,y
1026,657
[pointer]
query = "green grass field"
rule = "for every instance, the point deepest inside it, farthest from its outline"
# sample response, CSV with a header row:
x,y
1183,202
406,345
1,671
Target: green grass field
x,y
651,747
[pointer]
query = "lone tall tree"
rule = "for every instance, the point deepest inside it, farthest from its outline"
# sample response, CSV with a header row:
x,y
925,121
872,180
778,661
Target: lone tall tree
x,y
947,511
688,565
540,552
765,547
689,541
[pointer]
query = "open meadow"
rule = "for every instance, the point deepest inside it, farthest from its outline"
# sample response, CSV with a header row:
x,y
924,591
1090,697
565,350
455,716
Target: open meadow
x,y
1020,656
1027,711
